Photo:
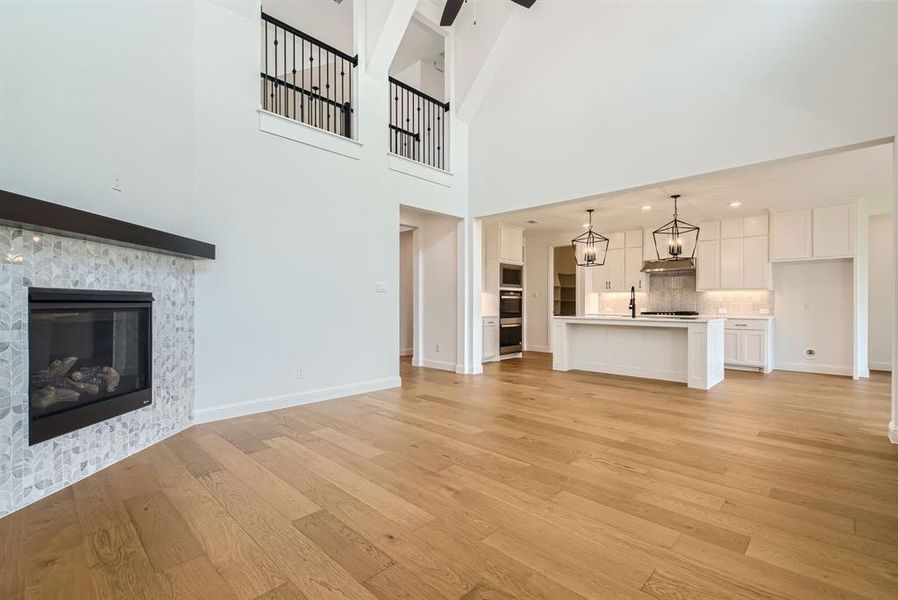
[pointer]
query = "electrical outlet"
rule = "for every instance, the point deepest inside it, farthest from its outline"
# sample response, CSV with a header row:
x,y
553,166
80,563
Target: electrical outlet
x,y
807,306
117,183
380,287
438,347
721,311
299,373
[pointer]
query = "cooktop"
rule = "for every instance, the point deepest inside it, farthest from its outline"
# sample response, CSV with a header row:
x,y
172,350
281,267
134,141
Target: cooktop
x,y
671,313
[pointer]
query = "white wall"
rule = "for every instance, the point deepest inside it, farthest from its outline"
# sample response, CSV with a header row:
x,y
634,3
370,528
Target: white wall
x,y
406,293
814,309
303,235
881,292
437,285
656,91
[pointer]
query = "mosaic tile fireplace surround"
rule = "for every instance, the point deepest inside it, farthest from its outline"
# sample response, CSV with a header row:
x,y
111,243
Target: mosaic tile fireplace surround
x,y
34,260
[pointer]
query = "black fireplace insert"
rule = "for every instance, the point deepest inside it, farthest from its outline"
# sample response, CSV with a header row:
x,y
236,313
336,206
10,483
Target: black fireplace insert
x,y
89,358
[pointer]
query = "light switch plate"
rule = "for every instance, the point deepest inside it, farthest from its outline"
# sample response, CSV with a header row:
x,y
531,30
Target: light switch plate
x,y
380,287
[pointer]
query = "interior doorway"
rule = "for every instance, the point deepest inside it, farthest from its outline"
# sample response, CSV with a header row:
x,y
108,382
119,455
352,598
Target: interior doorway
x,y
406,291
564,282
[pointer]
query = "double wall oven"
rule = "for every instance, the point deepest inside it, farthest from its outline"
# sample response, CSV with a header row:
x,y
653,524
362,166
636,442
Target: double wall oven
x,y
511,309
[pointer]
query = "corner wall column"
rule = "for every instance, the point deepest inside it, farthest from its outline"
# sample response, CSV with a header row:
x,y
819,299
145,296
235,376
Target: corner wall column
x,y
470,282
893,424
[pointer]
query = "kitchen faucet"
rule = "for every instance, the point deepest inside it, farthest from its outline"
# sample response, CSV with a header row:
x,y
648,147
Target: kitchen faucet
x,y
632,302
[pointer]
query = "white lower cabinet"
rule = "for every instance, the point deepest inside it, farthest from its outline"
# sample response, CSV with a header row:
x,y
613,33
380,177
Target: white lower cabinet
x,y
490,339
748,344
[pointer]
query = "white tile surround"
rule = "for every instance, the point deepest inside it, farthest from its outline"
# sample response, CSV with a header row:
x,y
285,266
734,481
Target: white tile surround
x,y
677,292
28,473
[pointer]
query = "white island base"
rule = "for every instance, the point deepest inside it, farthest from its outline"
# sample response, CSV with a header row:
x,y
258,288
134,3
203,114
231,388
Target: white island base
x,y
689,351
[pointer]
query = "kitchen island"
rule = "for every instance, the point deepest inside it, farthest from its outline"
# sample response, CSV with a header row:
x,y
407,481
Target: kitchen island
x,y
686,350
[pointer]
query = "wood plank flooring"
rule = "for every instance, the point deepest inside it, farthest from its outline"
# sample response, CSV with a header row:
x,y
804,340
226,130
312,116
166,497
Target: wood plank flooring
x,y
523,483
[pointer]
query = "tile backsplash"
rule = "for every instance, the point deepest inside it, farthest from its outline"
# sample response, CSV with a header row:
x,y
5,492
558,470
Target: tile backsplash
x,y
27,258
676,291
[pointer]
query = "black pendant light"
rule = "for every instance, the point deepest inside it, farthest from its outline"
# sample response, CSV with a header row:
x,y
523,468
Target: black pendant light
x,y
590,248
677,238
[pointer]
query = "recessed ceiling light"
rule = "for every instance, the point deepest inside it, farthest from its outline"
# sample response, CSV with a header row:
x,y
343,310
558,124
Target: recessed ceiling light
x,y
646,207
532,222
735,204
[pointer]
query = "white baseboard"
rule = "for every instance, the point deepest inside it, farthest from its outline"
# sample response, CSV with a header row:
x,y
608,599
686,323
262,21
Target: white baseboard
x,y
475,370
442,365
880,366
814,368
893,432
535,348
406,351
239,409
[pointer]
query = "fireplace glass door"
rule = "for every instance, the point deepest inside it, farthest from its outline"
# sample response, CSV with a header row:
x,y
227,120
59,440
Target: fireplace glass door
x,y
83,355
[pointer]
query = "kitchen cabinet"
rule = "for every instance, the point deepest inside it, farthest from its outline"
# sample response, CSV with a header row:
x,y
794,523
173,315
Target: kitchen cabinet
x,y
611,276
732,228
791,235
511,245
833,231
732,254
707,276
633,266
731,263
813,233
755,263
748,344
623,264
490,339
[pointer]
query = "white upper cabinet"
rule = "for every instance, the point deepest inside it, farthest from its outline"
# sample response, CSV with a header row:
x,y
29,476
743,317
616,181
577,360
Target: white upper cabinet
x,y
733,254
635,278
756,272
511,245
709,230
807,233
731,263
732,228
707,276
617,239
791,235
756,225
623,264
834,231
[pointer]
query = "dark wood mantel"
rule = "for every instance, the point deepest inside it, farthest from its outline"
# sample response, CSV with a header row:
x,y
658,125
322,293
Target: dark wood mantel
x,y
47,217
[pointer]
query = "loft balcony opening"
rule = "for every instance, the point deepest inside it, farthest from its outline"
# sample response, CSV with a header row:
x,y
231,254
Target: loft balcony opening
x,y
419,119
308,72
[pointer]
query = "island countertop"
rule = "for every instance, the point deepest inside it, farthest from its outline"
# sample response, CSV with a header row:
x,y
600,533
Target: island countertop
x,y
646,321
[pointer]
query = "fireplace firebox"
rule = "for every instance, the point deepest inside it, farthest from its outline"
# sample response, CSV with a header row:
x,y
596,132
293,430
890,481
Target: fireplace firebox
x,y
90,358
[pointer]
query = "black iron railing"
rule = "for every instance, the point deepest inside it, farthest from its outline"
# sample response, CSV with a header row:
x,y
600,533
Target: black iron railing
x,y
305,79
418,125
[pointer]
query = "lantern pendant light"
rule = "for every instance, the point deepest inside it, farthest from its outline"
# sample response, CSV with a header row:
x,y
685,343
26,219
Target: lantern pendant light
x,y
677,238
590,248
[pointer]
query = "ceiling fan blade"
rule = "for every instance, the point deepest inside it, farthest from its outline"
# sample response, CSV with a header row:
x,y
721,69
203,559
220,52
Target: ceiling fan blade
x,y
525,3
450,11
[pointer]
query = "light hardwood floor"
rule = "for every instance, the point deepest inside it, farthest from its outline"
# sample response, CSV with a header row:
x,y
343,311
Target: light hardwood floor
x,y
523,483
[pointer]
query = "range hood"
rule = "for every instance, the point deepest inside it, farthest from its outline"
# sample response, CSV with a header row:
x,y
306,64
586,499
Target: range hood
x,y
679,265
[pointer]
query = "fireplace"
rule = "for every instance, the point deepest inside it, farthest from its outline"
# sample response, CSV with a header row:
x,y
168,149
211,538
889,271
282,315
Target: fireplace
x,y
89,358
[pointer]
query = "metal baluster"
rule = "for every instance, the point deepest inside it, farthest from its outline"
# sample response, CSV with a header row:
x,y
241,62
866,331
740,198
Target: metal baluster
x,y
277,98
294,77
320,106
265,81
440,138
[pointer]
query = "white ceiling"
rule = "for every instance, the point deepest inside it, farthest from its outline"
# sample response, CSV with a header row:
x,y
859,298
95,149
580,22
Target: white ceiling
x,y
322,19
846,176
419,42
